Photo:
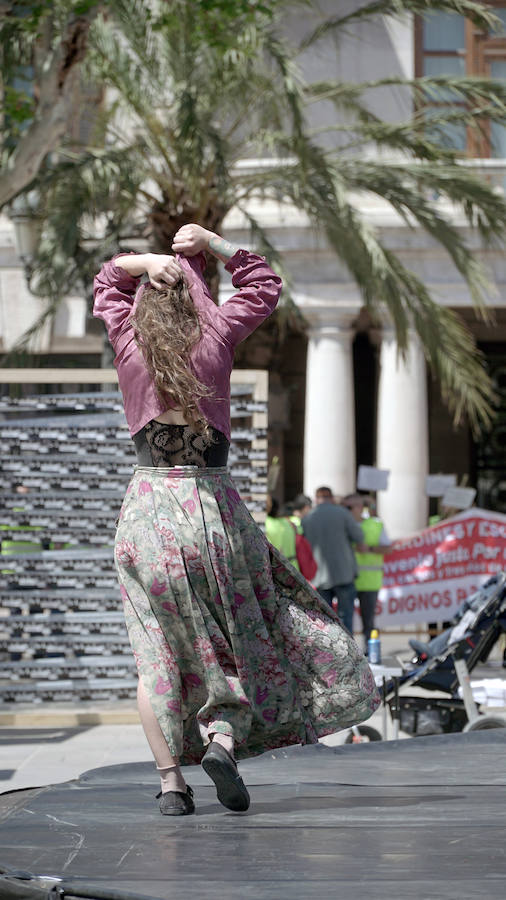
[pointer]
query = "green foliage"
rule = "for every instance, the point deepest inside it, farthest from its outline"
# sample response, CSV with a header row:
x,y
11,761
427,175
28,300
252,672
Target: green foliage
x,y
28,28
18,107
216,22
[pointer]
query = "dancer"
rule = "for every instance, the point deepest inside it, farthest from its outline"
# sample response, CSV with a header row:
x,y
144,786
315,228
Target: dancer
x,y
236,654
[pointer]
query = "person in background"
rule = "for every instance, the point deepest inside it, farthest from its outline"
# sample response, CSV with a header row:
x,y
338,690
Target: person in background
x,y
298,508
332,531
370,561
325,495
279,532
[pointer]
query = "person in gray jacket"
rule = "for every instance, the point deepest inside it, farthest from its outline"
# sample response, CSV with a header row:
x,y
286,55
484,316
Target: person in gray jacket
x,y
334,535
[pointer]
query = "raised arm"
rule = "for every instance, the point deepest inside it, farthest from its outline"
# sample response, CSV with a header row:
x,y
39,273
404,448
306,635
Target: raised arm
x,y
258,286
192,239
161,268
116,284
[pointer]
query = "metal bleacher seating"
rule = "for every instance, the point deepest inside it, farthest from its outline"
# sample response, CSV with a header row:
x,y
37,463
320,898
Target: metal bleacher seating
x,y
65,462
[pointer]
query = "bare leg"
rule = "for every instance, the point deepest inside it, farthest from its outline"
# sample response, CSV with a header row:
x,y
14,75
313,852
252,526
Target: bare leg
x,y
167,765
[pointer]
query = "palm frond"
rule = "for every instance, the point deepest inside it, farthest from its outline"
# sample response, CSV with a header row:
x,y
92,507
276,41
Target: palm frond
x,y
291,82
385,282
92,184
423,134
481,15
411,191
288,315
450,350
406,186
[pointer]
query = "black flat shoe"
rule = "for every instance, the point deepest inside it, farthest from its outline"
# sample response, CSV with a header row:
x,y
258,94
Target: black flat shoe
x,y
175,803
222,769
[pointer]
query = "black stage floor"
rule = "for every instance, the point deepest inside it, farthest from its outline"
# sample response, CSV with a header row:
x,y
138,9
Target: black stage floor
x,y
410,820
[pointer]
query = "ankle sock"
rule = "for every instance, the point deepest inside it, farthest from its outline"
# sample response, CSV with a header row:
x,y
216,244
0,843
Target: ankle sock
x,y
226,741
171,779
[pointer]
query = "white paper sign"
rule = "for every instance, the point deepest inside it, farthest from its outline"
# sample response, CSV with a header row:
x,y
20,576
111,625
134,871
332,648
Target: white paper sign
x,y
437,485
273,475
371,479
458,497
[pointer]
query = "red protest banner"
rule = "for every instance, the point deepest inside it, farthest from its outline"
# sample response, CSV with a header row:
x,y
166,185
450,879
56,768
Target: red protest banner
x,y
427,576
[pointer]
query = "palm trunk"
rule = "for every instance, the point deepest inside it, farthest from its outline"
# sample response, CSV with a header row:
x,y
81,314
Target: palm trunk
x,y
165,220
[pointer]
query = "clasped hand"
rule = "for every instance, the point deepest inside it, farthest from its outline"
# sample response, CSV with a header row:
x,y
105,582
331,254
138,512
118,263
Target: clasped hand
x,y
162,269
191,239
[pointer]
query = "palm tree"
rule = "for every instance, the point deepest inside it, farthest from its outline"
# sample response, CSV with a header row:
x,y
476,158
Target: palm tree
x,y
180,114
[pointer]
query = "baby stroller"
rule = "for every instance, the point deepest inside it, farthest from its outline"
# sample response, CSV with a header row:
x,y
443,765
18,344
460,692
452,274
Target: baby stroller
x,y
444,664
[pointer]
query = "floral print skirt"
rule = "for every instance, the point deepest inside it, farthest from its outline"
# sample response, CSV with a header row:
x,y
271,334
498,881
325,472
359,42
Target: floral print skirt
x,y
227,636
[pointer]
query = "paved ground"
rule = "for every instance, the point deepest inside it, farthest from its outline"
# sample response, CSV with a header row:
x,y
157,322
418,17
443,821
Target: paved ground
x,y
53,743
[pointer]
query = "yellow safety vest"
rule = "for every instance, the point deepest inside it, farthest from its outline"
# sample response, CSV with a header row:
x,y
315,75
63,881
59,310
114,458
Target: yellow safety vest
x,y
370,565
280,533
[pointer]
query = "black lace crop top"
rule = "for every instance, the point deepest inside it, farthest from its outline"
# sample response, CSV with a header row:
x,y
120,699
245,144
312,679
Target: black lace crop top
x,y
159,444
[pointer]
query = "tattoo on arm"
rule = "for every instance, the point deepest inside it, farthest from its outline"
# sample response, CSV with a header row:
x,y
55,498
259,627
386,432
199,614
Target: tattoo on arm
x,y
221,248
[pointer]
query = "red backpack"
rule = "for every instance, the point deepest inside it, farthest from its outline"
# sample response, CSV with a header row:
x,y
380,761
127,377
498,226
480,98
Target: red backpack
x,y
304,554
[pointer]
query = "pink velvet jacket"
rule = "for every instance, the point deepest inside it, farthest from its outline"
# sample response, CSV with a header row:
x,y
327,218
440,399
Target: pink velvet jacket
x,y
223,327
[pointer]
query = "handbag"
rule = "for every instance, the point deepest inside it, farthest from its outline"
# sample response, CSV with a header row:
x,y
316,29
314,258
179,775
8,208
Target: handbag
x,y
304,554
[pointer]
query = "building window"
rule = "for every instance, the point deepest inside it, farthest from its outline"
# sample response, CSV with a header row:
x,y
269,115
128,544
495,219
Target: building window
x,y
449,44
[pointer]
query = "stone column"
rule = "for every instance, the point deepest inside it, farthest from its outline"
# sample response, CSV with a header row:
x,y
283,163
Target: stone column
x,y
329,438
402,436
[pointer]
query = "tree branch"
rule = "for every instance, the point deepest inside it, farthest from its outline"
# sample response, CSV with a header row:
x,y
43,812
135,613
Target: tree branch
x,y
53,109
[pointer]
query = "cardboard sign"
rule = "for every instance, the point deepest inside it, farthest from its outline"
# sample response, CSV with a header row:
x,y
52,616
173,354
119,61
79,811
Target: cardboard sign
x,y
437,485
273,474
371,479
458,497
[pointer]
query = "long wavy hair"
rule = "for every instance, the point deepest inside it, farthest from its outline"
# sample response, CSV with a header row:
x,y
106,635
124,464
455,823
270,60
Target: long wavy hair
x,y
167,327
